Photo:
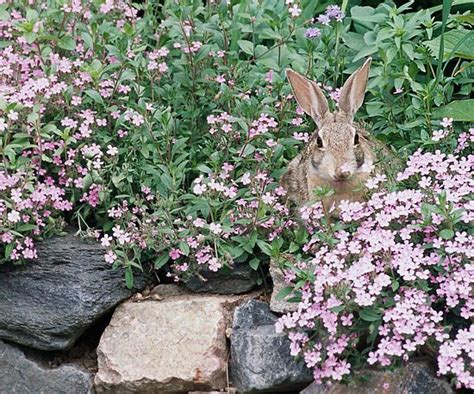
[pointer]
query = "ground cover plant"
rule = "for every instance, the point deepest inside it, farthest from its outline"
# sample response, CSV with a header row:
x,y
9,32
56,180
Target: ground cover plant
x,y
162,130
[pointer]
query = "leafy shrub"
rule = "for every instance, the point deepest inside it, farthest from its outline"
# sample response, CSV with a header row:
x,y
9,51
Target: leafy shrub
x,y
162,130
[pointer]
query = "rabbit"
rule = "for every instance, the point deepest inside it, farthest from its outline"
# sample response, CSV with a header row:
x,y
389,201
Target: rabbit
x,y
339,153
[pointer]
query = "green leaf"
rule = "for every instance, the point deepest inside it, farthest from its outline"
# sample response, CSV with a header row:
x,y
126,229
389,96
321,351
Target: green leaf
x,y
204,168
9,250
459,110
31,15
95,95
455,2
161,261
246,46
32,117
366,51
446,233
183,246
367,16
264,247
395,285
67,42
457,43
26,227
129,277
369,315
338,308
283,293
88,41
254,263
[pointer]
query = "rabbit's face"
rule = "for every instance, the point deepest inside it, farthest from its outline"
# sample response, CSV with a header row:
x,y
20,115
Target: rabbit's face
x,y
337,154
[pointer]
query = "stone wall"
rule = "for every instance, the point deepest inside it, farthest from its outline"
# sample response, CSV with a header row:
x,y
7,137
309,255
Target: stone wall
x,y
58,334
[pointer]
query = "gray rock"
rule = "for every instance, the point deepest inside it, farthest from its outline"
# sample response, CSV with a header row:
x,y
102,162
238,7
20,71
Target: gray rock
x,y
19,375
49,303
239,279
413,378
260,358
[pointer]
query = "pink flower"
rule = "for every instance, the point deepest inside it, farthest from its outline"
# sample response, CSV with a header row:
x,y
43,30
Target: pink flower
x,y
199,223
175,254
110,257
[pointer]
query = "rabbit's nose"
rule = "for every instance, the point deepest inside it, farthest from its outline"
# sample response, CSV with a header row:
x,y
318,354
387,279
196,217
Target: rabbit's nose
x,y
342,175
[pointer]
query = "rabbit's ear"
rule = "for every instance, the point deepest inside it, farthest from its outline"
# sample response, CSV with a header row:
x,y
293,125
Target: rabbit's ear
x,y
353,91
308,95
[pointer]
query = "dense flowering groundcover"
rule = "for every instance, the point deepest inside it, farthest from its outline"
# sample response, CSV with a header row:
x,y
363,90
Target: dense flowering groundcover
x,y
162,131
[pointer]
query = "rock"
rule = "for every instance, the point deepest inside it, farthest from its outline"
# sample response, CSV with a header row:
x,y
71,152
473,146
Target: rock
x,y
278,279
413,378
49,303
260,358
241,278
20,375
177,344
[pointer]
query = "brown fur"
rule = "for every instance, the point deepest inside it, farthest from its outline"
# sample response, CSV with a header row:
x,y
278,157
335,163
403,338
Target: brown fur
x,y
342,161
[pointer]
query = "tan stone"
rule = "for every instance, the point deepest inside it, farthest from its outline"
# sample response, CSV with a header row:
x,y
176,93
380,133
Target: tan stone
x,y
175,344
278,279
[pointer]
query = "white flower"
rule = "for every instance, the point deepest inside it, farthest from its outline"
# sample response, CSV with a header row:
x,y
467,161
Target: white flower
x,y
198,189
3,125
294,11
215,228
245,179
447,122
13,216
105,241
112,150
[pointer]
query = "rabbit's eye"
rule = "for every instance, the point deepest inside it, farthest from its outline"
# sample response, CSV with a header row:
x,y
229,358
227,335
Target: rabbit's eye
x,y
356,139
319,142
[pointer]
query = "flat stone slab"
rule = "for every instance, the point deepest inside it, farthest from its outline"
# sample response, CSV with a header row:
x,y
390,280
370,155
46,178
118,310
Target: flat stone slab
x,y
47,304
260,358
176,344
413,378
20,375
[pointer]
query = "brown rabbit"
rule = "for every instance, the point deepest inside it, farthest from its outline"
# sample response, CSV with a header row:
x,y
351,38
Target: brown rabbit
x,y
339,153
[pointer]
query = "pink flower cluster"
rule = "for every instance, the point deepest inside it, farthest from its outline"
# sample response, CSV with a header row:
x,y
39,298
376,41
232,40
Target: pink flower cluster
x,y
262,125
456,357
402,259
26,206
